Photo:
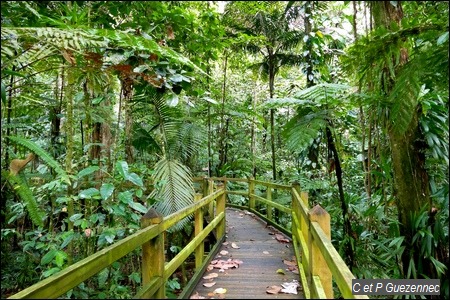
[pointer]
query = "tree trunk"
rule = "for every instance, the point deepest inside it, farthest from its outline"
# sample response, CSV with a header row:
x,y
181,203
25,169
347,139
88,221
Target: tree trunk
x,y
272,112
127,96
411,184
348,232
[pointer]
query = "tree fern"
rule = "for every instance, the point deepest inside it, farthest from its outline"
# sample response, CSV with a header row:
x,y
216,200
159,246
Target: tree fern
x,y
43,155
19,185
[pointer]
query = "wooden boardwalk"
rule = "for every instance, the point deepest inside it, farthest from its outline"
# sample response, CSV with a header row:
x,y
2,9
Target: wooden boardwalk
x,y
264,260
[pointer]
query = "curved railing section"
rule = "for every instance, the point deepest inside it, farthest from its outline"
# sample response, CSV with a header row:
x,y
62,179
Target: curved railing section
x,y
319,262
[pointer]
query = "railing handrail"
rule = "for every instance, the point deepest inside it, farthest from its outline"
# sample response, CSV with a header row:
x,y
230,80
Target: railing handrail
x,y
61,282
317,259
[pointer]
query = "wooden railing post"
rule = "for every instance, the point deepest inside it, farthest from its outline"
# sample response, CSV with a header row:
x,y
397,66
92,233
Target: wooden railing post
x,y
153,253
251,192
210,191
220,207
269,207
318,265
200,250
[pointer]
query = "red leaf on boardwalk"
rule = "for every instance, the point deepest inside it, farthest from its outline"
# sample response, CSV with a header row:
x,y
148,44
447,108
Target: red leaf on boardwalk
x,y
281,238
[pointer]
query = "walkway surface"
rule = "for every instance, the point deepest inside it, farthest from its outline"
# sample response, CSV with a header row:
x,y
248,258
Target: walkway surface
x,y
254,262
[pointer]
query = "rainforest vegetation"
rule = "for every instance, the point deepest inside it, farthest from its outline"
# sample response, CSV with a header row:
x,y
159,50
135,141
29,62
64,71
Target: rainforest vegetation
x,y
109,108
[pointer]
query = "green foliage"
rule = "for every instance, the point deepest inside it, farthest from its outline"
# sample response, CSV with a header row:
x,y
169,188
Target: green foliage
x,y
26,195
175,191
43,155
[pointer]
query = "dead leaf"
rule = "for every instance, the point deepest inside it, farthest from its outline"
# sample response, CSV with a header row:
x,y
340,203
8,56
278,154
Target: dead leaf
x,y
225,243
233,245
265,252
290,263
223,252
281,238
273,289
209,284
209,268
211,276
211,295
220,291
197,296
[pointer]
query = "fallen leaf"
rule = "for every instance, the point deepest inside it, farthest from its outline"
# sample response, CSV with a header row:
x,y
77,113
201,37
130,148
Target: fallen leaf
x,y
209,268
197,296
209,284
273,289
210,294
220,291
281,271
233,245
265,252
211,276
281,238
225,243
223,252
290,263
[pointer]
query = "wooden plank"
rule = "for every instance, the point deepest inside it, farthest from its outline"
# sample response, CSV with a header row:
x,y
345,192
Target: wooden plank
x,y
273,185
259,268
241,193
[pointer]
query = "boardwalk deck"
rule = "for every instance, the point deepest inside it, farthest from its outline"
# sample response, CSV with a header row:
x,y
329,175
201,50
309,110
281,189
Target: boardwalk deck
x,y
261,255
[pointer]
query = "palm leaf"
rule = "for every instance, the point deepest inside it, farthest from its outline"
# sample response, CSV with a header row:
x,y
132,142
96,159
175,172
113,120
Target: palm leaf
x,y
43,155
25,194
177,190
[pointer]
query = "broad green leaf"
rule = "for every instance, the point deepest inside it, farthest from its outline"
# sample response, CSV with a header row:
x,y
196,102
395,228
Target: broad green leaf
x,y
442,39
60,257
97,100
106,190
102,277
122,168
134,178
125,197
173,100
75,217
50,272
138,206
87,171
67,240
48,257
89,193
139,193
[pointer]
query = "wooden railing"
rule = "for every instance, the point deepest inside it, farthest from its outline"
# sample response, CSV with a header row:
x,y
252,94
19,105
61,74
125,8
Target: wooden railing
x,y
155,272
318,260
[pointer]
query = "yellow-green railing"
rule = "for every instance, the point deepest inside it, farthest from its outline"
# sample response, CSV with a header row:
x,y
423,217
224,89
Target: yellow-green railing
x,y
319,262
155,271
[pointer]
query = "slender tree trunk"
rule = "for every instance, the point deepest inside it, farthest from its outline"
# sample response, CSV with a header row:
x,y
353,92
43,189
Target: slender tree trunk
x,y
127,96
313,151
348,233
223,128
69,129
272,113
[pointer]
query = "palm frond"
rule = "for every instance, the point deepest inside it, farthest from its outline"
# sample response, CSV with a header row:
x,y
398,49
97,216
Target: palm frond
x,y
43,155
176,190
26,195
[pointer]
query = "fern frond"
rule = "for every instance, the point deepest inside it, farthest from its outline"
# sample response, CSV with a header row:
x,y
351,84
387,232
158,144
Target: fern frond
x,y
23,191
301,131
43,155
177,190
